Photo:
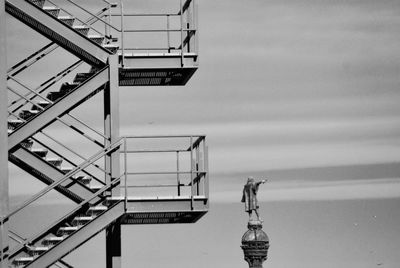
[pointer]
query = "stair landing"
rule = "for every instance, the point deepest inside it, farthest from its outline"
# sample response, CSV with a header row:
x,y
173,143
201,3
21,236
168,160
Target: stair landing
x,y
157,69
163,210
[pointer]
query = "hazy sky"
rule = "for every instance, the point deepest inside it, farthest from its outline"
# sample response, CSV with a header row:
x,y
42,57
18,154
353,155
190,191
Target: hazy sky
x,y
304,92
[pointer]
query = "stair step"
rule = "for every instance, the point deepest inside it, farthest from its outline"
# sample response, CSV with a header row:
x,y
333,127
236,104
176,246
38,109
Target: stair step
x,y
98,39
81,77
84,179
52,240
39,3
14,123
27,114
67,20
54,161
33,251
80,220
96,187
82,29
96,210
27,144
68,87
40,152
66,230
54,95
54,11
23,260
111,47
66,169
42,104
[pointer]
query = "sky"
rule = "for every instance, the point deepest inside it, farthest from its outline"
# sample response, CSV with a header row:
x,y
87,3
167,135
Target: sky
x,y
303,92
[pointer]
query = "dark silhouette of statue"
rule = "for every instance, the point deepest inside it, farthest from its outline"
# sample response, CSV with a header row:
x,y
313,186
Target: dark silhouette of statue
x,y
249,197
255,242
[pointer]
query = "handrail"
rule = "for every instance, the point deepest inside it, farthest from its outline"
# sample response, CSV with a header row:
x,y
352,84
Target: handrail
x,y
28,58
198,169
64,159
70,150
185,5
51,102
90,13
51,81
50,187
88,21
71,213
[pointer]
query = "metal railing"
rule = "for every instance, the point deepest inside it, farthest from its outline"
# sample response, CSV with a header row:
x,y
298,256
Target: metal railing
x,y
198,162
196,177
187,30
182,162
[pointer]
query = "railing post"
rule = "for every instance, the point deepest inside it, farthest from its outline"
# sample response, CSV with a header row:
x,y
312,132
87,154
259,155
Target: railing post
x,y
191,172
195,27
122,34
181,19
126,173
197,170
206,183
178,180
168,35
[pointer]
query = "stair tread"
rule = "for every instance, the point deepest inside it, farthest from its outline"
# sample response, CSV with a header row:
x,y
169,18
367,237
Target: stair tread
x,y
53,159
38,248
25,258
98,208
96,187
54,238
81,27
69,228
67,168
85,218
15,121
66,17
51,8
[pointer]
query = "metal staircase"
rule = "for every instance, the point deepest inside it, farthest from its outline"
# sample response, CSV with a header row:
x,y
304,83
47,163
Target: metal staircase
x,y
109,193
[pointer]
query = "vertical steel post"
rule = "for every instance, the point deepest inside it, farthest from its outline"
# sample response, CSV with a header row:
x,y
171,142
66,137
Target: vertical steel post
x,y
111,122
206,179
191,172
126,173
4,200
195,26
181,19
189,24
168,37
112,160
178,179
113,245
122,33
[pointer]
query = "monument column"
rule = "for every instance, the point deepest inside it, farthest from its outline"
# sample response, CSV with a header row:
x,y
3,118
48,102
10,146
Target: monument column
x,y
4,201
255,242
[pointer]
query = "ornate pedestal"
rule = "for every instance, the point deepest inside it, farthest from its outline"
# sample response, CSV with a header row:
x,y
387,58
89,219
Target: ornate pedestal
x,y
255,244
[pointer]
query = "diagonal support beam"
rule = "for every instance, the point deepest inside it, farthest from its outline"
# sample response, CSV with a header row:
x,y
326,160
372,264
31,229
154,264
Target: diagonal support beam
x,y
58,32
59,108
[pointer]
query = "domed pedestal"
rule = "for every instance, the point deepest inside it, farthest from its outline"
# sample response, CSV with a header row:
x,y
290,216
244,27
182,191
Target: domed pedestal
x,y
255,244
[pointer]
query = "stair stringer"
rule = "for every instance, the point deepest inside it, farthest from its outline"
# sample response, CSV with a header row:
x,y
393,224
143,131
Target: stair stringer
x,y
58,32
48,174
59,108
78,238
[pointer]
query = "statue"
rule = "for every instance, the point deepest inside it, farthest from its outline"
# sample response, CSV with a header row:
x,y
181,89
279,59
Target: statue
x,y
249,197
255,242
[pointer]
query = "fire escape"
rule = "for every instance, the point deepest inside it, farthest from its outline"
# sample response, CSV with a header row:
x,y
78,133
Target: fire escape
x,y
127,181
